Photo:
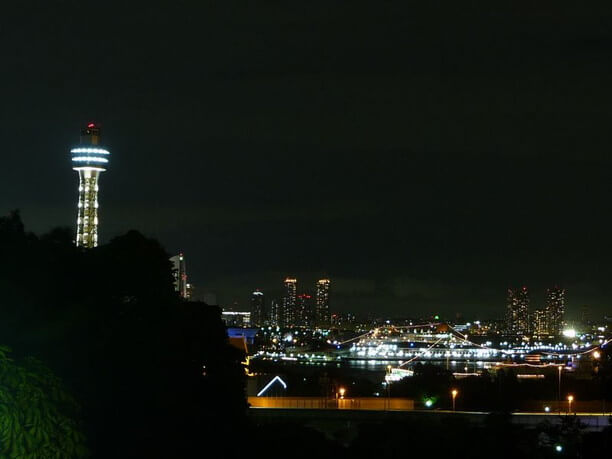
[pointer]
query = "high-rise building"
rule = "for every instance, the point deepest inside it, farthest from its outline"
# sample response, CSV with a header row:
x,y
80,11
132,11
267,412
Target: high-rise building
x,y
289,302
179,273
89,159
276,313
305,310
517,311
322,314
539,322
555,309
259,313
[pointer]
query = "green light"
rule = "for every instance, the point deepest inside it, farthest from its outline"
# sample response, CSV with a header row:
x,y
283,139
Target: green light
x,y
428,403
437,317
558,448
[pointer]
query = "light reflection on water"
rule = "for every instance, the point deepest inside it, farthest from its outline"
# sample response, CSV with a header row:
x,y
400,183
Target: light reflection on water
x,y
381,365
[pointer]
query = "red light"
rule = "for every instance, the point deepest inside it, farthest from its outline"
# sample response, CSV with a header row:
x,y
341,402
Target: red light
x,y
90,125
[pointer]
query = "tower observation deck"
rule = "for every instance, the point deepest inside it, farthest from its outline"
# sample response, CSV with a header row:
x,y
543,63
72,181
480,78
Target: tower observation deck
x,y
89,159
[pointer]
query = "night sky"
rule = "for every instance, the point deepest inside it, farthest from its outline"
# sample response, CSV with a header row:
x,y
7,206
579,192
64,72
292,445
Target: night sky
x,y
424,155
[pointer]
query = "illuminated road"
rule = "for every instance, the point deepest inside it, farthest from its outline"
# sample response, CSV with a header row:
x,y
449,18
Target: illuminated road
x,y
318,403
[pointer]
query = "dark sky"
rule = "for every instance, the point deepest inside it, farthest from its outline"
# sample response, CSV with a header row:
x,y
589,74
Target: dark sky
x,y
424,155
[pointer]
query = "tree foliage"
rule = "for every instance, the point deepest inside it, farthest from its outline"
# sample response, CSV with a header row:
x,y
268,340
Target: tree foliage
x,y
38,418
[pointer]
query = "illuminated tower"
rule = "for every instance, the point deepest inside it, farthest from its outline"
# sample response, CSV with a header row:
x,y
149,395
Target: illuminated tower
x,y
322,306
88,159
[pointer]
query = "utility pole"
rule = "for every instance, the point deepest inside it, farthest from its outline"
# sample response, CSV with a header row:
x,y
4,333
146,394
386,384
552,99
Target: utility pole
x,y
559,392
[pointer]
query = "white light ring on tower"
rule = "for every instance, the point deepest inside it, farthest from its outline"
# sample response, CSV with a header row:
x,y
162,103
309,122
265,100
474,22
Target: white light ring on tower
x,y
101,151
92,159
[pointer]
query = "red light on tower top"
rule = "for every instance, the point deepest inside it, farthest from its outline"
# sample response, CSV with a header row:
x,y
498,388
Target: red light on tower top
x,y
90,134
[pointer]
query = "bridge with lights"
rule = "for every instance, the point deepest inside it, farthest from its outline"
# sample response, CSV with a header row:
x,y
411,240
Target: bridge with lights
x,y
405,345
399,348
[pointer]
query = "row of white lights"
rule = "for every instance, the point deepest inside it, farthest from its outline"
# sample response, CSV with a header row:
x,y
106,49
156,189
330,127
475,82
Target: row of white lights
x,y
89,159
101,151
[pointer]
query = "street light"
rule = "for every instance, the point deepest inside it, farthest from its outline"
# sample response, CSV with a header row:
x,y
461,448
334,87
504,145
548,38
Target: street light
x,y
342,391
570,399
454,393
596,356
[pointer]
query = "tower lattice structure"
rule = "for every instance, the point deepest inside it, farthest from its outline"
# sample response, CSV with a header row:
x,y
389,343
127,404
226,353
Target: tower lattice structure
x,y
89,159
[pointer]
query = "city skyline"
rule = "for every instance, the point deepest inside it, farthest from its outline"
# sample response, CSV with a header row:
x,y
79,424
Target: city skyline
x,y
308,229
437,192
521,316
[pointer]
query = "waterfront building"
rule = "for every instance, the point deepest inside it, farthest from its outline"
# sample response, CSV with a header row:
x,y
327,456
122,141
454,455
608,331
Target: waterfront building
x,y
322,313
517,311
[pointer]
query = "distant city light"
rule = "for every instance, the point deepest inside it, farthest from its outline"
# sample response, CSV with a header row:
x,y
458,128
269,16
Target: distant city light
x,y
569,333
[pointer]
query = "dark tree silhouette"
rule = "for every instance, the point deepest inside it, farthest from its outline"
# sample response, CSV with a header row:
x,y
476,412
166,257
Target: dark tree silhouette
x,y
108,321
